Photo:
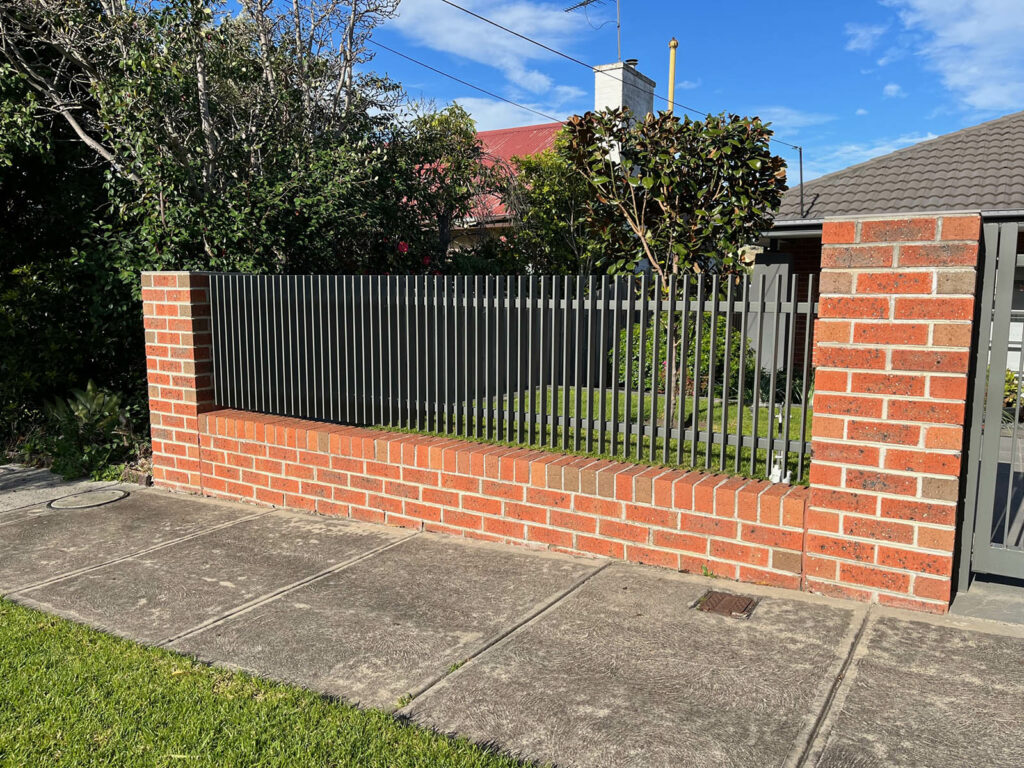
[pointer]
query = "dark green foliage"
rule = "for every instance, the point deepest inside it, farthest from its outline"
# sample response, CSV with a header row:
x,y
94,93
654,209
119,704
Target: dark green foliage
x,y
277,181
86,433
700,354
681,195
548,201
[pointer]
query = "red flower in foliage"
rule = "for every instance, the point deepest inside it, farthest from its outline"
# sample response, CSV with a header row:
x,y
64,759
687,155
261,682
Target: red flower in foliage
x,y
426,260
403,247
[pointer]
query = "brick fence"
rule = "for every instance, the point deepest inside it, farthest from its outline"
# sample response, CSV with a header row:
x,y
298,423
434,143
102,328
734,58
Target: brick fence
x,y
892,351
878,522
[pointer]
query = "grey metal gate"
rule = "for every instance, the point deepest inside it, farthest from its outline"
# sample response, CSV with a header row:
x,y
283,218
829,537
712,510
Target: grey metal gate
x,y
994,502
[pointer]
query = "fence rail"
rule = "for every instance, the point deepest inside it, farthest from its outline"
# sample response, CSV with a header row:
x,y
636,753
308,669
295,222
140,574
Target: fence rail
x,y
707,372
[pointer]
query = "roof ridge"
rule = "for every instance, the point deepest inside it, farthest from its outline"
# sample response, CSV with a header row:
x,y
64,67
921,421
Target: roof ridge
x,y
916,146
535,126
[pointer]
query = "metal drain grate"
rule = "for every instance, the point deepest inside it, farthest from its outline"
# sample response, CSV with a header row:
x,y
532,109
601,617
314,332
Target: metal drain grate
x,y
88,499
735,606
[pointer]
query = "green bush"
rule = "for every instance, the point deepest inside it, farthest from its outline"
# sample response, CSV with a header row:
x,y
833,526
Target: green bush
x,y
751,380
86,434
1011,390
695,352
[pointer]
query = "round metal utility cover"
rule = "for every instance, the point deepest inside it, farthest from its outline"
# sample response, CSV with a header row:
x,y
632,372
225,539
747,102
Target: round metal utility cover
x,y
88,499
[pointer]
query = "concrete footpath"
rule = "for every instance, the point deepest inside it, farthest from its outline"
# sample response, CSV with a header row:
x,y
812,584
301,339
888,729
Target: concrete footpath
x,y
572,661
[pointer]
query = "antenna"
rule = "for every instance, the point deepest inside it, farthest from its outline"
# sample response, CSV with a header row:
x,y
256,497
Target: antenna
x,y
618,18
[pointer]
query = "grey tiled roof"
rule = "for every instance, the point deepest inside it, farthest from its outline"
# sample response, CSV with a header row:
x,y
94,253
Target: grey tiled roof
x,y
978,168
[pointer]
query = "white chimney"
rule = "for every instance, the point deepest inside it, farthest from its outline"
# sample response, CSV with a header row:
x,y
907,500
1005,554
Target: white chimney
x,y
621,85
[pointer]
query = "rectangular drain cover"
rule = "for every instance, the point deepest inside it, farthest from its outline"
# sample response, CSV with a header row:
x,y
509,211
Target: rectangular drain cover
x,y
737,606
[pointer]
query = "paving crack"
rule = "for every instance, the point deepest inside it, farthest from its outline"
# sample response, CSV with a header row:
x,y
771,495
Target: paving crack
x,y
137,553
491,642
837,683
269,597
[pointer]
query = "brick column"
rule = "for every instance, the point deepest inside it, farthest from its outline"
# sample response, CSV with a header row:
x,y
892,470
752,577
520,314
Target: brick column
x,y
176,310
892,349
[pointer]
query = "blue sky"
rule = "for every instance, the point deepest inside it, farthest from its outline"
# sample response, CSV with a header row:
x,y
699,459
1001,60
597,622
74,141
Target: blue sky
x,y
846,80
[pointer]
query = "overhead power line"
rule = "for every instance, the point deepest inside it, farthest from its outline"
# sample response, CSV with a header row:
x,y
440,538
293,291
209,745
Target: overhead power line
x,y
585,64
465,83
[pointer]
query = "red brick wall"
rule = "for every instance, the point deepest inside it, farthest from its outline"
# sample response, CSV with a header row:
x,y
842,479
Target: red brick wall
x,y
892,348
176,313
736,528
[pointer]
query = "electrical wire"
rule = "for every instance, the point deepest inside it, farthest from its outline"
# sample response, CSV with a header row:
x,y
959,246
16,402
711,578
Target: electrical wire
x,y
465,83
584,64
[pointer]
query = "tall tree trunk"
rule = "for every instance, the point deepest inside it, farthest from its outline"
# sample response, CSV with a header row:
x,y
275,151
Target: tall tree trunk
x,y
206,121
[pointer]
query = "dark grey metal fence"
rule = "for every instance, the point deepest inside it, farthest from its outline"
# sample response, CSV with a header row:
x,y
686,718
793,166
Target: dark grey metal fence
x,y
707,372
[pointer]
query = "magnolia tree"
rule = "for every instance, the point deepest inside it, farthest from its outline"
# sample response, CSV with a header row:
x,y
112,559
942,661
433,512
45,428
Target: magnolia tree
x,y
683,195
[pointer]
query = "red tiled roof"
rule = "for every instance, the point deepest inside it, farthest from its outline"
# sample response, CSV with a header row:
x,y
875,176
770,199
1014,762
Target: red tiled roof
x,y
504,144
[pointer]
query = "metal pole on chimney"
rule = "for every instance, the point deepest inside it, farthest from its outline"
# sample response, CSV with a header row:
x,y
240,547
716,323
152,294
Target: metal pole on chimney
x,y
672,45
618,27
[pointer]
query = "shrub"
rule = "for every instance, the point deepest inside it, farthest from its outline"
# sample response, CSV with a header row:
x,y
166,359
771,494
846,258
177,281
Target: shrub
x,y
87,433
700,353
1011,390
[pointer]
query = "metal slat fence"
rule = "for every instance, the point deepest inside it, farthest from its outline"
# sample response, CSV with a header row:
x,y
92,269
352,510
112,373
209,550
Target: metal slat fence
x,y
702,371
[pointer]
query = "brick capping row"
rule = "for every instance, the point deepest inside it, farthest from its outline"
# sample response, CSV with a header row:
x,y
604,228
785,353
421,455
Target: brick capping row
x,y
748,530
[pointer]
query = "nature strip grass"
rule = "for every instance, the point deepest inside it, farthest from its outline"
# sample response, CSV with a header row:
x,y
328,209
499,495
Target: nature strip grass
x,y
73,696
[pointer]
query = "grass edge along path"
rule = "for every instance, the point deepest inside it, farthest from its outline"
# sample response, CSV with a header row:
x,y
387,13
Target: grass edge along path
x,y
73,696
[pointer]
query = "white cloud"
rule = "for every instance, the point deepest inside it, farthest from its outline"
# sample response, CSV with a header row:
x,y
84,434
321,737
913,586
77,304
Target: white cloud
x,y
893,90
861,112
841,156
567,94
862,37
894,53
974,45
688,85
443,28
791,120
490,114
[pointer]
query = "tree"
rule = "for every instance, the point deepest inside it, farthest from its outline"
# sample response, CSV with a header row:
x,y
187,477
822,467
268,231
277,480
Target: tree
x,y
64,316
548,202
179,134
454,179
203,117
680,194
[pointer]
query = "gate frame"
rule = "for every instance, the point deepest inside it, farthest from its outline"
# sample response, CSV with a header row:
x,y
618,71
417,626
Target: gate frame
x,y
980,386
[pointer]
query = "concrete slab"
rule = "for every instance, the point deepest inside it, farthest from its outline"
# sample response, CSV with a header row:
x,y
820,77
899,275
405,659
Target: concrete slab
x,y
922,693
156,596
25,487
391,624
57,542
991,600
623,672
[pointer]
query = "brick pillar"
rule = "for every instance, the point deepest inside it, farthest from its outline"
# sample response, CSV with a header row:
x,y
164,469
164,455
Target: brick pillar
x,y
892,349
176,310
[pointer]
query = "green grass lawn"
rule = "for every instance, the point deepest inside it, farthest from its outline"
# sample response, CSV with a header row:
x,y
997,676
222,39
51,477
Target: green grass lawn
x,y
72,696
556,402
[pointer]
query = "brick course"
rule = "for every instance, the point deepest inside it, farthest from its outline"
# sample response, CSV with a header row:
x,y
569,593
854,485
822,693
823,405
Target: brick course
x,y
178,369
460,488
882,507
